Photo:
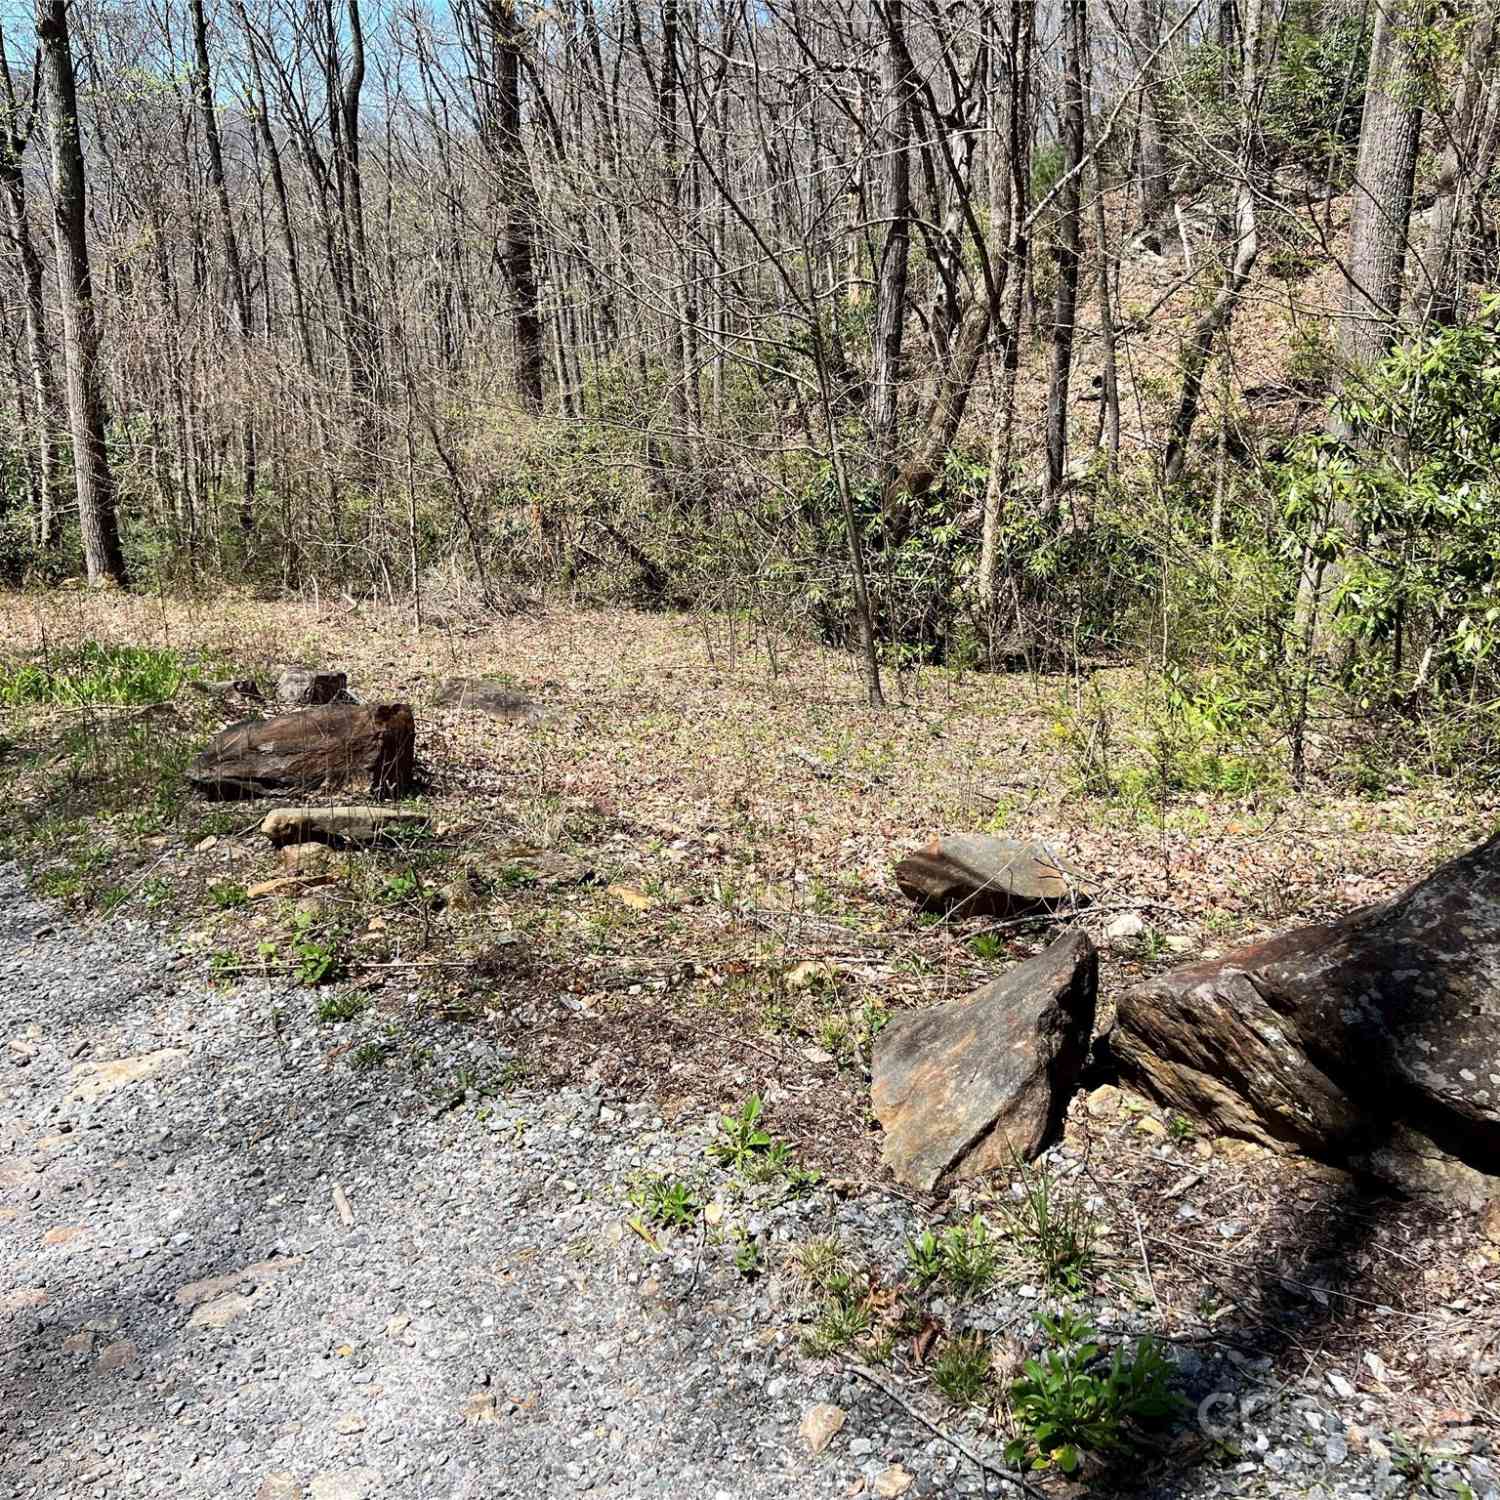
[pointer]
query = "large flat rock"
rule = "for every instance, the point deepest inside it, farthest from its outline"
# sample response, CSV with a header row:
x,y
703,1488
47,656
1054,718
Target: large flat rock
x,y
1373,1041
967,1087
986,875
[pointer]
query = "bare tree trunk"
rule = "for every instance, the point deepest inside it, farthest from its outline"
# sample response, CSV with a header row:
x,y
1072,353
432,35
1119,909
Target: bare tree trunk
x,y
1069,215
234,269
507,39
1384,175
1216,320
1151,159
86,411
14,137
890,291
1464,167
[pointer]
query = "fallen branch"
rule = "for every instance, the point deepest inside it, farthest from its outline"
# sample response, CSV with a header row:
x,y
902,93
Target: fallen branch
x,y
984,1465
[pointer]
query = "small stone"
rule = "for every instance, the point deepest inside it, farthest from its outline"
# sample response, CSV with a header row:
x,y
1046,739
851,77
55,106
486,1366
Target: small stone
x,y
279,1486
713,1213
820,1425
1177,942
348,1424
220,1312
79,1343
479,1409
1104,1101
892,1482
396,1325
1340,1386
117,1356
65,1234
343,1484
204,845
1336,1450
1125,927
1150,1125
817,1056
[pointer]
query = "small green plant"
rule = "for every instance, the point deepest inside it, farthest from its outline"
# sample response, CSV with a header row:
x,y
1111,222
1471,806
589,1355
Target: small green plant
x,y
345,1006
842,1321
316,956
964,1257
666,1201
1068,1402
1053,1228
371,1055
818,1264
988,946
742,1139
226,895
962,1370
222,966
156,891
94,673
1418,1465
747,1257
515,878
1180,1129
398,890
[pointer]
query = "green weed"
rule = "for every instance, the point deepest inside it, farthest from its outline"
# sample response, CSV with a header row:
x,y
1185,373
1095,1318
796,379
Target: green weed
x,y
962,1370
964,1258
1067,1403
1053,1229
666,1201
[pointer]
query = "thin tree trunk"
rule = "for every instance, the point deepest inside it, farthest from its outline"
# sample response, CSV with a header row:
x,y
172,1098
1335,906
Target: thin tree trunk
x,y
86,410
1069,215
890,292
234,269
44,396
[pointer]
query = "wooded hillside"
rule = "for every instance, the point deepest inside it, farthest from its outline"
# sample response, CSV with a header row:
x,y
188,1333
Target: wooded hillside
x,y
983,333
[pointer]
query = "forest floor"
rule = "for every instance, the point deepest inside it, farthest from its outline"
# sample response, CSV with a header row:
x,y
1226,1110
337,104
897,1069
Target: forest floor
x,y
737,811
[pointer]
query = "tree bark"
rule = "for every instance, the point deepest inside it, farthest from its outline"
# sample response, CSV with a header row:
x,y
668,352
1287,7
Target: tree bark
x,y
87,416
890,291
233,267
14,138
1069,215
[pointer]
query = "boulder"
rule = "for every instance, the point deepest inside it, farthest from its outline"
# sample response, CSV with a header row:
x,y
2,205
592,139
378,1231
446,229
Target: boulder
x,y
333,746
985,875
1371,1042
297,687
490,698
289,827
969,1086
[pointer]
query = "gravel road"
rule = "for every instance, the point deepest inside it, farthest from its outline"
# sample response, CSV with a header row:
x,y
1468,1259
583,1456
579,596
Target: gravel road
x,y
232,1264
229,1268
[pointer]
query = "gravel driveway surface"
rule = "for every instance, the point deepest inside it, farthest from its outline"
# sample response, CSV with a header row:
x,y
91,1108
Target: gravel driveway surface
x,y
228,1268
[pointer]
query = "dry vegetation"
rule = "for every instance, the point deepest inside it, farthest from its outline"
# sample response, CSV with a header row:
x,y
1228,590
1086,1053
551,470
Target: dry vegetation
x,y
741,930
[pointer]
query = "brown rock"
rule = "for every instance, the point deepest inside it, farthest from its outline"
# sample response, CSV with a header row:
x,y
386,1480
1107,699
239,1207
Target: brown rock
x,y
308,859
479,1410
1489,1221
474,695
892,1483
308,827
65,1234
279,1486
117,1356
984,874
214,1286
221,1311
1373,1041
820,1425
297,687
544,868
967,1086
338,745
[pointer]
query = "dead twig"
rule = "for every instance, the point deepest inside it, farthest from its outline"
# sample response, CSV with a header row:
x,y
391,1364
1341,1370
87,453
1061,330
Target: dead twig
x,y
983,1464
